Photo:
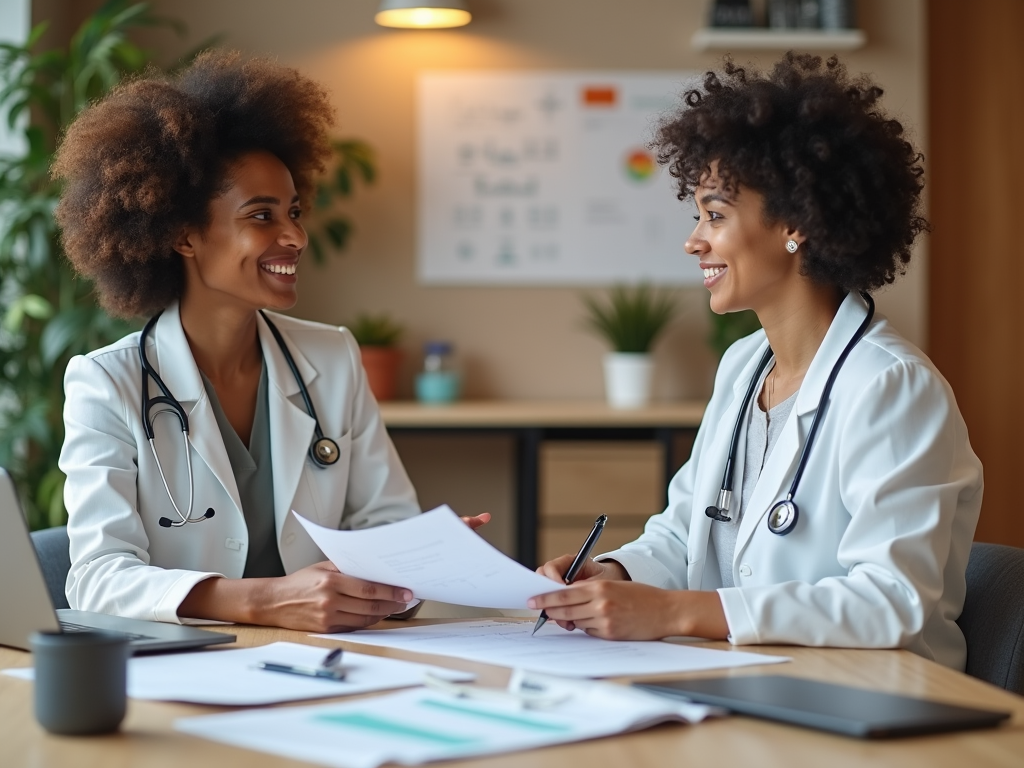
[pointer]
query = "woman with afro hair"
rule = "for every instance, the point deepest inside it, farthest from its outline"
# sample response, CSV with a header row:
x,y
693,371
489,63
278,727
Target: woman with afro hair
x,y
856,491
183,201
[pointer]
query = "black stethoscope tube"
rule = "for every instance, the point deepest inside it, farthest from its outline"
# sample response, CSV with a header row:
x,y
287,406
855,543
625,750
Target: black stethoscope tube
x,y
783,515
323,451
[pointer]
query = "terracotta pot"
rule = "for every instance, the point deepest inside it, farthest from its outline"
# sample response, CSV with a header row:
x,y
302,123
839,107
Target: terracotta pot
x,y
381,366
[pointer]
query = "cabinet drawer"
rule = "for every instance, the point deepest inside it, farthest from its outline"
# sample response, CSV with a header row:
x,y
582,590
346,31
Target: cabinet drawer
x,y
614,478
567,539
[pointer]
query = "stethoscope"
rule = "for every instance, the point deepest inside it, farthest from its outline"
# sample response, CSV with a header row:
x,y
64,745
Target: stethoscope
x,y
323,451
783,515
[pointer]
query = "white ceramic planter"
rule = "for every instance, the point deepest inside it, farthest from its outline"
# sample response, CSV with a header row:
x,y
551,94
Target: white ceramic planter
x,y
627,379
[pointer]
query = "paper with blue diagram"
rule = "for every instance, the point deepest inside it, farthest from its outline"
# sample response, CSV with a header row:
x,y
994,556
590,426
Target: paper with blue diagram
x,y
437,557
422,725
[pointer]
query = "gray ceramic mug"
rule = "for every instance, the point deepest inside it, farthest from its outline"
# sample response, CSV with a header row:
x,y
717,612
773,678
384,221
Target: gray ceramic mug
x,y
80,681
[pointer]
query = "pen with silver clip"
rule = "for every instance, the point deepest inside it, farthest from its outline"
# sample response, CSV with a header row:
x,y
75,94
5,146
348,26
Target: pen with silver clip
x,y
581,558
329,669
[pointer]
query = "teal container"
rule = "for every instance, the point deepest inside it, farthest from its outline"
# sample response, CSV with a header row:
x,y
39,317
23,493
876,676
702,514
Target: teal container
x,y
438,386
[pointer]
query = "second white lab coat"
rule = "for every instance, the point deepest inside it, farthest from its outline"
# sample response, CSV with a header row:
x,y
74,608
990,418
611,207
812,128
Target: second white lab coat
x,y
888,505
123,561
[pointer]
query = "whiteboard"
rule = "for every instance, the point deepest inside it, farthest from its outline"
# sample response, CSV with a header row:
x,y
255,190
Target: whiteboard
x,y
545,179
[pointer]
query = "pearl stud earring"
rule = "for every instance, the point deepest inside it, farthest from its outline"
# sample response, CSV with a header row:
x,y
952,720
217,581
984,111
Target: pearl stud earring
x,y
792,245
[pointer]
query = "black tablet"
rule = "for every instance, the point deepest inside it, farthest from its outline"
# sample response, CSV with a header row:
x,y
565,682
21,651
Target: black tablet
x,y
828,707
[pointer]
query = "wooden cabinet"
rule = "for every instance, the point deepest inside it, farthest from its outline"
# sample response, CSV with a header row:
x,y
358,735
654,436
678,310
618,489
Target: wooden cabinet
x,y
580,480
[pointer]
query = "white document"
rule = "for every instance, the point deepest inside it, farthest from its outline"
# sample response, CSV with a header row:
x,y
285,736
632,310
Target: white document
x,y
414,727
231,677
435,555
553,650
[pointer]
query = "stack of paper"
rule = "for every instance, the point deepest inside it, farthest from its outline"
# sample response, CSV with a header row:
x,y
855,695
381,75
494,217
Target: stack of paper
x,y
231,678
419,726
553,650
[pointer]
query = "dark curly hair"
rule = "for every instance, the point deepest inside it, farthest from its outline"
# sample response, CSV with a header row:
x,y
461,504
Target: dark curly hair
x,y
144,162
827,160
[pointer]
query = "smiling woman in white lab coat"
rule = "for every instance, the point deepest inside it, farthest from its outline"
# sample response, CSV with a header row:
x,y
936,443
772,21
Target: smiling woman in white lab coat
x,y
808,198
182,202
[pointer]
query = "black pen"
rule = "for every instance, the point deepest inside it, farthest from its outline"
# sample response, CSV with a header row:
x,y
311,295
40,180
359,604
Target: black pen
x,y
329,668
581,558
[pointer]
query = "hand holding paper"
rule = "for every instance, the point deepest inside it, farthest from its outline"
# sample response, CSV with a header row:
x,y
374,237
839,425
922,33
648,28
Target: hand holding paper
x,y
436,556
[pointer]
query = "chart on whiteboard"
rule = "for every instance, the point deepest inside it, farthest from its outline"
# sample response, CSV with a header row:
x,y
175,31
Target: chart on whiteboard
x,y
546,178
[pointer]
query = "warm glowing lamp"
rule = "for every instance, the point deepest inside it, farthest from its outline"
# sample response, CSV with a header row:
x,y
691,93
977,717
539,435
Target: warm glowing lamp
x,y
422,14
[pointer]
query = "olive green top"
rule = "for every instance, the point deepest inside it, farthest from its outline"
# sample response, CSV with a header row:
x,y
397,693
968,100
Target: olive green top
x,y
254,476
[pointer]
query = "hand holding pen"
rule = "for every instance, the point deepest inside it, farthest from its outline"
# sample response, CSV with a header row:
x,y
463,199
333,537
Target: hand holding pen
x,y
577,563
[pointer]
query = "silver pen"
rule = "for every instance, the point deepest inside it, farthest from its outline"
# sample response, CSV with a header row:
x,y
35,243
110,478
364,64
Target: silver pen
x,y
581,558
329,669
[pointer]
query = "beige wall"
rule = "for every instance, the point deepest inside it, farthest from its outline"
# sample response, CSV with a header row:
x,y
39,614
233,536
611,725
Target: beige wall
x,y
514,342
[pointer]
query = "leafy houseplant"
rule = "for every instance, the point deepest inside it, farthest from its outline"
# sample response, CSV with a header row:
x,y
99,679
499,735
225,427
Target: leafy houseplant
x,y
354,162
631,321
47,314
378,336
731,327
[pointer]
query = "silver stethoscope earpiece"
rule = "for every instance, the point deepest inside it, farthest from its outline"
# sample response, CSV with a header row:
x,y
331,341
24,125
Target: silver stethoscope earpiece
x,y
783,516
323,452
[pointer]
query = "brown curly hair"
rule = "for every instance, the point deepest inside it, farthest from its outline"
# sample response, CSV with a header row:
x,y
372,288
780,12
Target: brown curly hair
x,y
827,160
144,162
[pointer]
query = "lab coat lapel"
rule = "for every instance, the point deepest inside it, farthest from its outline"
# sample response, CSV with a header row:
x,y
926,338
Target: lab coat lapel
x,y
773,483
171,356
291,427
711,479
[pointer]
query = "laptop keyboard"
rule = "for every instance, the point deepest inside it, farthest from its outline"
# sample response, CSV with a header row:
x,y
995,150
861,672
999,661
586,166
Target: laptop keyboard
x,y
67,626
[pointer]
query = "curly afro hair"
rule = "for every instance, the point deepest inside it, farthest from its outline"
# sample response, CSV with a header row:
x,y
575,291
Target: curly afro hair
x,y
828,162
144,162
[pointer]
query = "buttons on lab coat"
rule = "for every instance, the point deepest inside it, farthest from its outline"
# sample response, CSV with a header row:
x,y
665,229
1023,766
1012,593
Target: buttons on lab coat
x,y
289,539
745,570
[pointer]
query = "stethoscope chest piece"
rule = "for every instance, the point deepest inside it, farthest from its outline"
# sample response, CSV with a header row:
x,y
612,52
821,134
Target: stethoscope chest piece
x,y
782,517
324,452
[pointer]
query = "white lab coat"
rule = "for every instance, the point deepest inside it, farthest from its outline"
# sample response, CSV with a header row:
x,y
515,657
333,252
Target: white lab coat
x,y
888,505
122,561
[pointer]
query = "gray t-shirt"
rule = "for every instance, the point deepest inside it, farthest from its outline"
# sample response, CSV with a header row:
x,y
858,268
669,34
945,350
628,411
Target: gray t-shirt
x,y
763,430
254,476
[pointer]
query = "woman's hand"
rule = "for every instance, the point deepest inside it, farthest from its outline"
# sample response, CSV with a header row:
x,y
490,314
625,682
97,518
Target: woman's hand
x,y
317,598
478,520
618,610
557,568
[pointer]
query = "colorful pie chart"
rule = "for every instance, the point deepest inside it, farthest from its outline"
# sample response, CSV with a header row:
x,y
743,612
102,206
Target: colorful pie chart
x,y
640,165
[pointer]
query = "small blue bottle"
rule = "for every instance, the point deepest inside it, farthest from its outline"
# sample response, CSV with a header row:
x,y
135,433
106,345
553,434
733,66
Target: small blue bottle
x,y
438,382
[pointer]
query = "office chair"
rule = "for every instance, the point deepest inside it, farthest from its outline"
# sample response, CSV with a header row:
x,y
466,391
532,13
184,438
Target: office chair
x,y
52,547
993,616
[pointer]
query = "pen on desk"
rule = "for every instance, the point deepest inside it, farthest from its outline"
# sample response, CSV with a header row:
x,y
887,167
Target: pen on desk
x,y
581,558
329,668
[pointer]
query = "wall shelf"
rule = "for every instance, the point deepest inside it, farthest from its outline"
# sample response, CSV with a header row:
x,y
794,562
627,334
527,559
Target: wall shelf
x,y
710,39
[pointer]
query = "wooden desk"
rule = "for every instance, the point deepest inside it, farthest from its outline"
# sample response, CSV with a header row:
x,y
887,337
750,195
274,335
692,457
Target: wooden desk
x,y
532,422
147,738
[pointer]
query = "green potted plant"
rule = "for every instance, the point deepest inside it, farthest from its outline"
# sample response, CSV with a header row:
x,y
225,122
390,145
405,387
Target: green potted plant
x,y
730,327
378,337
630,321
47,314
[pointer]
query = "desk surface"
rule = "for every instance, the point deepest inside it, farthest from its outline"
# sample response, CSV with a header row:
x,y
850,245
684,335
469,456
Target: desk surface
x,y
147,739
539,413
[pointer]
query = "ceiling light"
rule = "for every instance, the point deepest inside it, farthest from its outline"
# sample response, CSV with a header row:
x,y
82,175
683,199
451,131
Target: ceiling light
x,y
422,14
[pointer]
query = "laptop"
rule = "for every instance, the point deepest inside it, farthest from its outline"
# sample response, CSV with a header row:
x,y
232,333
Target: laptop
x,y
25,603
826,706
